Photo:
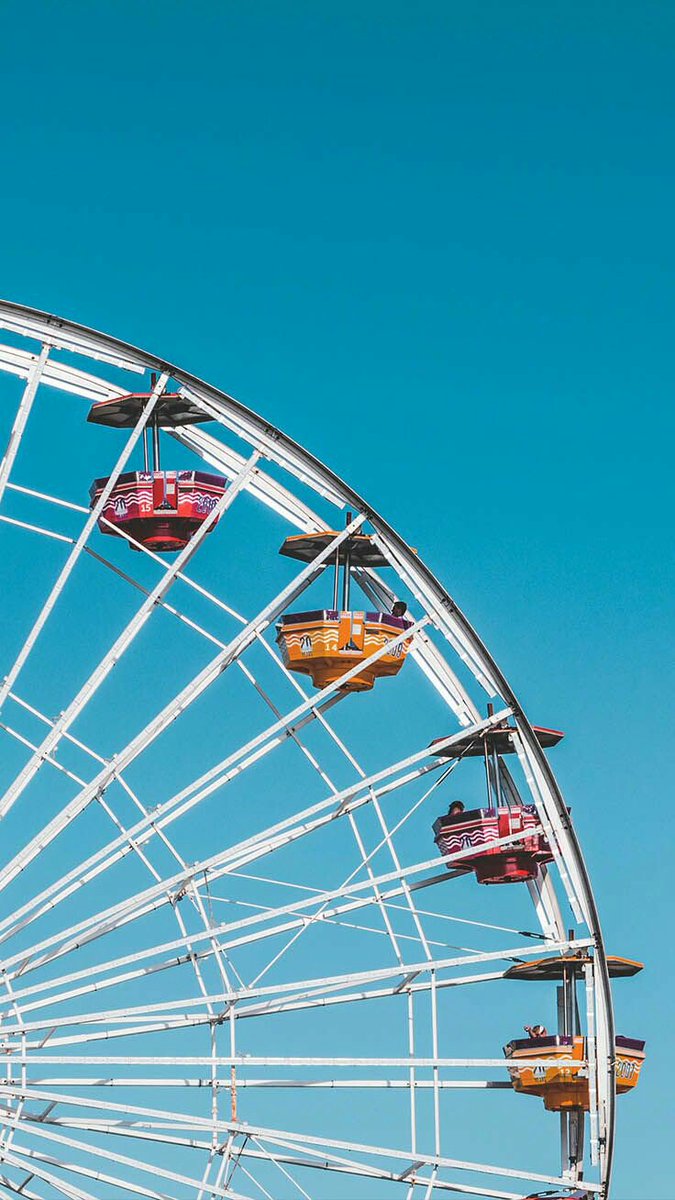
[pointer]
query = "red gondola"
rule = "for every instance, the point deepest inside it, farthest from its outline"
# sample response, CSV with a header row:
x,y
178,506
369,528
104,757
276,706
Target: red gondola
x,y
162,510
457,831
514,863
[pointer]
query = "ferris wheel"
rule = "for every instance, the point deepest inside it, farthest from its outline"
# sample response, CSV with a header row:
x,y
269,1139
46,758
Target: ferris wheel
x,y
280,847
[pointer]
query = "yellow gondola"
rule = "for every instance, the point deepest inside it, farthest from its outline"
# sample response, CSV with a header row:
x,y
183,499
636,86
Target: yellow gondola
x,y
564,1085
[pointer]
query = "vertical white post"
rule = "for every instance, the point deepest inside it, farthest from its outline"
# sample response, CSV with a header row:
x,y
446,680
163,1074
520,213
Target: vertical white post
x,y
411,1074
435,1071
591,1055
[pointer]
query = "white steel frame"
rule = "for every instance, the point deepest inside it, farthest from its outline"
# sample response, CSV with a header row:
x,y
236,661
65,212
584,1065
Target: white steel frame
x,y
230,1148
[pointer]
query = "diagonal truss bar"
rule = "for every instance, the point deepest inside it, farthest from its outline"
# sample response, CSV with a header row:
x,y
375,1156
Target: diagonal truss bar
x,y
20,1189
263,843
159,818
337,1165
38,1130
305,1141
22,415
123,642
164,893
71,561
312,989
262,486
172,710
30,1160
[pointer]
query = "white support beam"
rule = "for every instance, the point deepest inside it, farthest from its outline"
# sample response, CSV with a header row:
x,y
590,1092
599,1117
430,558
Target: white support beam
x,y
168,890
285,831
22,415
424,653
59,585
316,989
305,1141
122,642
272,494
173,709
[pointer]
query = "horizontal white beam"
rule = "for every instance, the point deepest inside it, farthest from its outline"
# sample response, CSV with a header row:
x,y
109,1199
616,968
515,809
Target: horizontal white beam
x,y
271,1060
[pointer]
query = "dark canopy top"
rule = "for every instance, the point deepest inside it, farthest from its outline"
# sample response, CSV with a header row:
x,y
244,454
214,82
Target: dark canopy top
x,y
122,412
553,968
498,738
306,546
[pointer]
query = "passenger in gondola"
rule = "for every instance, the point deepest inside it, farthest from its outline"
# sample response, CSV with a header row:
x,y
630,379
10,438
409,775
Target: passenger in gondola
x,y
536,1031
399,608
456,808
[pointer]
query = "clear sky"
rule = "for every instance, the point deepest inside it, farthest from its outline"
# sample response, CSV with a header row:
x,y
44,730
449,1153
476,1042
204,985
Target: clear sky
x,y
454,218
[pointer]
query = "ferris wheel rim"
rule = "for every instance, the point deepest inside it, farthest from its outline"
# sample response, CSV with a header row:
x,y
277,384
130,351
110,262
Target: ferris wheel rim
x,y
54,330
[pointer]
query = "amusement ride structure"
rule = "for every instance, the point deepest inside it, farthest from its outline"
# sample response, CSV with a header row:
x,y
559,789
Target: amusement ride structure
x,y
242,953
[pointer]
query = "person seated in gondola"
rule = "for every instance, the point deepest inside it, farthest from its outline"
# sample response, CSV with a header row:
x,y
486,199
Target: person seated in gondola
x,y
456,808
536,1031
399,608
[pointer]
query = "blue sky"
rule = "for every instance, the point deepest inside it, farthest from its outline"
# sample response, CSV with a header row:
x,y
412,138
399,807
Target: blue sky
x,y
452,221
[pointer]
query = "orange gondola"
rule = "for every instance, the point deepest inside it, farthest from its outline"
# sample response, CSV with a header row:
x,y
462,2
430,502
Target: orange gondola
x,y
563,1084
328,643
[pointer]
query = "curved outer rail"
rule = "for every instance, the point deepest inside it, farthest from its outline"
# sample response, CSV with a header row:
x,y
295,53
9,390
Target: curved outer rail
x,y
448,617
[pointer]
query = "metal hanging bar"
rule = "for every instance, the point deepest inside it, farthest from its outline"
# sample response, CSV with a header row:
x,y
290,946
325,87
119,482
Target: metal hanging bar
x,y
346,576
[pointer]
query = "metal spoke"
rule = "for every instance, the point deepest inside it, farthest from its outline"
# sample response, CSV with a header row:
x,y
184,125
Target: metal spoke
x,y
23,412
71,561
121,644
